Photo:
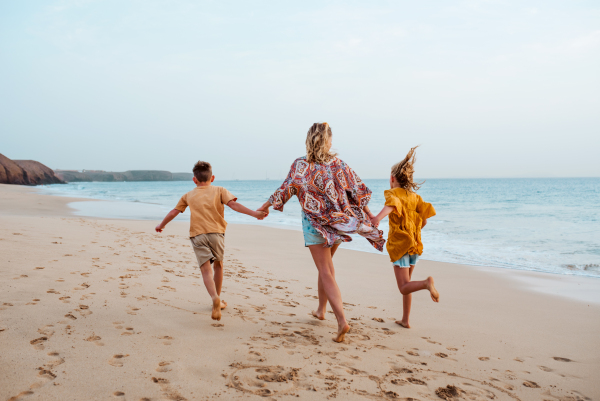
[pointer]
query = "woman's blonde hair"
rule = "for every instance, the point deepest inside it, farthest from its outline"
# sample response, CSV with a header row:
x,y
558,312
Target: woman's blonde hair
x,y
316,143
403,172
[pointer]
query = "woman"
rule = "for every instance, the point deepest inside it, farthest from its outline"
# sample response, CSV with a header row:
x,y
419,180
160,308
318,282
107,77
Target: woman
x,y
334,204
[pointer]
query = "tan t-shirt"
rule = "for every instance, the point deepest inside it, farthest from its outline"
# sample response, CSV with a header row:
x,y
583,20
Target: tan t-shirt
x,y
207,205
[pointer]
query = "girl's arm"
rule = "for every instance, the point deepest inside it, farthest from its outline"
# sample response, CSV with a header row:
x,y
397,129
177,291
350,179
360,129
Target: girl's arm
x,y
384,212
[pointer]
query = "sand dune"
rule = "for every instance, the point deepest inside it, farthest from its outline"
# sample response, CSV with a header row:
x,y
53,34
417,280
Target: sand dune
x,y
94,309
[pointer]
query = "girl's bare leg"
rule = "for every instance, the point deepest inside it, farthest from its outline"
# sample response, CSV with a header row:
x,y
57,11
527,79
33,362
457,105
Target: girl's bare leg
x,y
324,263
407,287
406,299
320,312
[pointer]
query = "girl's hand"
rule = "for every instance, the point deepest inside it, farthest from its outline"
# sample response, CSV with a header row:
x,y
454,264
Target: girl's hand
x,y
374,221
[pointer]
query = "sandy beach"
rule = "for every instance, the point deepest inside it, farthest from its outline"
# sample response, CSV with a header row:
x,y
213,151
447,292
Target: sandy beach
x,y
96,309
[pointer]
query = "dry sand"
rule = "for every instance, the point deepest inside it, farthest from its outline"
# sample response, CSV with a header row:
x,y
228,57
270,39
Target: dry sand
x,y
96,309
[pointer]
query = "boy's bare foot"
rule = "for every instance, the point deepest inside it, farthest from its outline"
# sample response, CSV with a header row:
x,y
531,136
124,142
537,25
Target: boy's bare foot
x,y
341,334
223,304
403,324
216,312
318,316
434,294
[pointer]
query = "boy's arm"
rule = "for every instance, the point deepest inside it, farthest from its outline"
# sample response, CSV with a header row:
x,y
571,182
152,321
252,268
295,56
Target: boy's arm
x,y
170,216
384,212
238,207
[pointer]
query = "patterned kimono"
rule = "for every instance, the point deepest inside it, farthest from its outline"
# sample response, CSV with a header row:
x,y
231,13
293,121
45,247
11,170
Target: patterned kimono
x,y
332,196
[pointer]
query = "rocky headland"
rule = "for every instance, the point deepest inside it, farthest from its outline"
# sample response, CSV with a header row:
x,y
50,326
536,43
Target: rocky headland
x,y
111,176
26,172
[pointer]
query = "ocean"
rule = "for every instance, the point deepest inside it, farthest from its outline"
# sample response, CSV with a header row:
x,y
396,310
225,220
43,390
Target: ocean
x,y
539,224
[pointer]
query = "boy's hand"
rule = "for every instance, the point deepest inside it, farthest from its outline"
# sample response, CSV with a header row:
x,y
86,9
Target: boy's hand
x,y
159,228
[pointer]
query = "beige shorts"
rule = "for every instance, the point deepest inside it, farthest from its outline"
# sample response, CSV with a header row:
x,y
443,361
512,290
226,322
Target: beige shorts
x,y
208,247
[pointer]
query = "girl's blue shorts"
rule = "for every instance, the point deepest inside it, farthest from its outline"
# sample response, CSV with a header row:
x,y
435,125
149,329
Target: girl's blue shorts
x,y
407,260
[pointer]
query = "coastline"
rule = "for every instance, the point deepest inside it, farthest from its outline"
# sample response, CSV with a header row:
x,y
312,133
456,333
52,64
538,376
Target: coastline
x,y
492,333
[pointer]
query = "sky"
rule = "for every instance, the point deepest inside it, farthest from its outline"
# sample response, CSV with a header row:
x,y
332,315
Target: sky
x,y
486,88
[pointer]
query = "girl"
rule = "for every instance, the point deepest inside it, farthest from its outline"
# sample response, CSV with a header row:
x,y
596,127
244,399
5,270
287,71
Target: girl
x,y
408,214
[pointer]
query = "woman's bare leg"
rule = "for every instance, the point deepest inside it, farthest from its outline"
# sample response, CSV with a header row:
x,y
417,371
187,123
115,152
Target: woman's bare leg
x,y
320,312
324,263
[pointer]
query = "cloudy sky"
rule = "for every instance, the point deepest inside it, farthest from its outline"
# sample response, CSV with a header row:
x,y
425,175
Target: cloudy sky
x,y
487,88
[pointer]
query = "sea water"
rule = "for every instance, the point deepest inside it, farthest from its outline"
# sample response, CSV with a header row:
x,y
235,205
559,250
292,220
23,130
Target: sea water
x,y
543,224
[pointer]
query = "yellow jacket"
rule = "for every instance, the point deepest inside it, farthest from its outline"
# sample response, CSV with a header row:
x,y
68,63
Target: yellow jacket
x,y
405,222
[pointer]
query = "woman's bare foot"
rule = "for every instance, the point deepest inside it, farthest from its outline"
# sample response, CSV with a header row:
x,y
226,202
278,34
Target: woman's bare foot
x,y
223,304
434,294
341,334
318,316
216,311
403,324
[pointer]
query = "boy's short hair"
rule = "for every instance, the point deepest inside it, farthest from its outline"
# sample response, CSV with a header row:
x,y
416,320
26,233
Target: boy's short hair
x,y
202,171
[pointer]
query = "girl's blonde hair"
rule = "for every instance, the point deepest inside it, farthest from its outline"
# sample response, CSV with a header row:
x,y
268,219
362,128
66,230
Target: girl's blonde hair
x,y
403,172
316,143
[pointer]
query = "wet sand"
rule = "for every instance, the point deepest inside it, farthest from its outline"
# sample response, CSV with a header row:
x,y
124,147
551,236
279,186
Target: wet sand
x,y
108,309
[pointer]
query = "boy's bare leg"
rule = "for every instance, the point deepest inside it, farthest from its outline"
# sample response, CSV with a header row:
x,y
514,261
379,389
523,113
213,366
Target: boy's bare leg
x,y
209,283
320,312
218,267
324,263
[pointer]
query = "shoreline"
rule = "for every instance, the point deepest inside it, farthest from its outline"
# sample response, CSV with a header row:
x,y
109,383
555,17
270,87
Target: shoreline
x,y
114,300
92,212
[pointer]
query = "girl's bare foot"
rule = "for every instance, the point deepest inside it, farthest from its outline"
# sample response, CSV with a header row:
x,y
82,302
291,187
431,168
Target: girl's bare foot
x,y
403,324
216,311
320,316
341,334
434,294
223,304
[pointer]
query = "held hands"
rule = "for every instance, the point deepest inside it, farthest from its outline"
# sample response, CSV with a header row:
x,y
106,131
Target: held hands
x,y
373,219
260,215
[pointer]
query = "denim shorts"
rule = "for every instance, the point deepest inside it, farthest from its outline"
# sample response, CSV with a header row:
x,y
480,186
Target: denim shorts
x,y
311,235
407,260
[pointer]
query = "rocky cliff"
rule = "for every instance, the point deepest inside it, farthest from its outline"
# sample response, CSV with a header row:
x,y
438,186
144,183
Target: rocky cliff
x,y
25,172
131,175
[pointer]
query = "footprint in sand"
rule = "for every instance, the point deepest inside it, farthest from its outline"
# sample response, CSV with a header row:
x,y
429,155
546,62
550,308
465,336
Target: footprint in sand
x,y
20,396
484,358
168,338
163,367
38,343
84,310
545,368
119,394
413,353
441,355
449,393
378,319
65,299
560,359
530,384
416,381
95,339
70,316
117,360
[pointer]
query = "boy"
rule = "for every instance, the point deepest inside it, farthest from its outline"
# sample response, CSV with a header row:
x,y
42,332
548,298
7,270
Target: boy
x,y
207,228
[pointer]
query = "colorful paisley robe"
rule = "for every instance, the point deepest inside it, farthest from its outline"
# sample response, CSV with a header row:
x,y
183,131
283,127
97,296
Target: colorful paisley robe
x,y
333,197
